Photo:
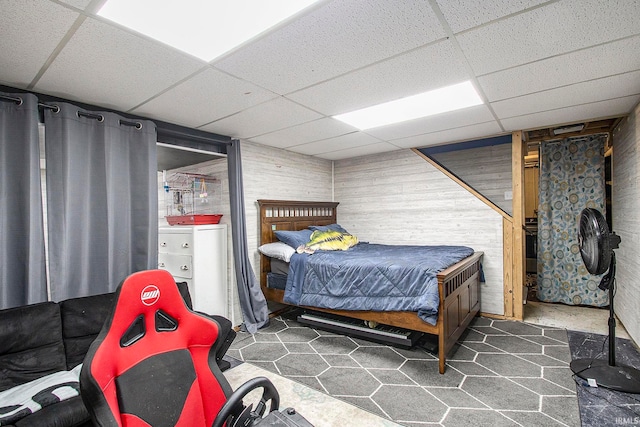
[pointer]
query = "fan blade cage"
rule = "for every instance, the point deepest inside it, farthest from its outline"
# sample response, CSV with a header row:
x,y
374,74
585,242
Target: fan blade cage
x,y
594,241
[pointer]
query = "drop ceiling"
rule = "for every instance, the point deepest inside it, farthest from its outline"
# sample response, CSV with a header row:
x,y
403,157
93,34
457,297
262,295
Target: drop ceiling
x,y
536,64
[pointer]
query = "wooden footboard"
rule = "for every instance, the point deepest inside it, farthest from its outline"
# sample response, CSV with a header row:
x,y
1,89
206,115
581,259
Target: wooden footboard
x,y
458,286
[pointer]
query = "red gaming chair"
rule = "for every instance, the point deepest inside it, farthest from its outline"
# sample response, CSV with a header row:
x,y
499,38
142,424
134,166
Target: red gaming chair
x,y
153,364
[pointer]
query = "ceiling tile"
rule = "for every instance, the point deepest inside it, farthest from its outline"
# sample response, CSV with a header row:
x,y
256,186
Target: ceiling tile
x,y
334,39
365,150
450,120
306,132
79,4
31,30
468,14
418,71
355,139
551,30
464,133
596,110
107,66
596,62
268,117
203,98
567,96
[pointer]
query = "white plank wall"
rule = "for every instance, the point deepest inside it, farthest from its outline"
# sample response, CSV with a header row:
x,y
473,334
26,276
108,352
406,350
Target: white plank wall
x,y
486,169
275,174
626,220
268,173
399,198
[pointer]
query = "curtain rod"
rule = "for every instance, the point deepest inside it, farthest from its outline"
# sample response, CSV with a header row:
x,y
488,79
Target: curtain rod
x,y
576,138
194,137
56,109
18,101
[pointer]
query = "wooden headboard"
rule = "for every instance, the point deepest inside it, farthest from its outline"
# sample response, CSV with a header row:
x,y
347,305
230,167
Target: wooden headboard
x,y
289,215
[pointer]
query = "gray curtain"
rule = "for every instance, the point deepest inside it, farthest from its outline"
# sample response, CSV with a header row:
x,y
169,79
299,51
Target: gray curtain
x,y
102,200
252,301
22,262
571,179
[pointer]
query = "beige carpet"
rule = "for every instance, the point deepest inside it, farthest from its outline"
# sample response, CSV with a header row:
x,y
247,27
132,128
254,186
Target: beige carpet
x,y
318,408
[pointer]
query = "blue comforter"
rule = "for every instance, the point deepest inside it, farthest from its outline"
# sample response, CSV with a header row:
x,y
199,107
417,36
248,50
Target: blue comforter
x,y
372,277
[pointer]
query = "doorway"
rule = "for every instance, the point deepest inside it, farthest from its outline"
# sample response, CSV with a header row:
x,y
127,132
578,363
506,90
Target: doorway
x,y
531,190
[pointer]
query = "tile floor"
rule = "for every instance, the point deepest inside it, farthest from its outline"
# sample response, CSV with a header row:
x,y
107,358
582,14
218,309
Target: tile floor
x,y
318,408
502,373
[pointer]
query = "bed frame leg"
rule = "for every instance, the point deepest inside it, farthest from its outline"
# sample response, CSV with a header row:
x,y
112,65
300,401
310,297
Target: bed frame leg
x,y
442,354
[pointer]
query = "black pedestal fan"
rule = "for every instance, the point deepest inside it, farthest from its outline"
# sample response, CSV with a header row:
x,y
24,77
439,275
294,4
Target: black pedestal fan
x,y
596,247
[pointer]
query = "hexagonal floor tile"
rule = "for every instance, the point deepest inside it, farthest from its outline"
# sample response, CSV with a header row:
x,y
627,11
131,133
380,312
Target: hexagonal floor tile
x,y
297,335
301,364
378,357
259,351
242,339
391,376
462,353
500,393
514,344
275,325
333,345
557,334
562,376
425,373
348,382
409,403
340,360
509,365
532,418
543,387
477,417
560,352
456,398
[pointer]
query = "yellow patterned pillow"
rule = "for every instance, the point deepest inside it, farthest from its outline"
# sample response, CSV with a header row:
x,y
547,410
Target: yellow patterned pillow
x,y
328,240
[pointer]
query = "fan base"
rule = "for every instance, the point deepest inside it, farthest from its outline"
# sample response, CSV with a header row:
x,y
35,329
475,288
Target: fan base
x,y
619,378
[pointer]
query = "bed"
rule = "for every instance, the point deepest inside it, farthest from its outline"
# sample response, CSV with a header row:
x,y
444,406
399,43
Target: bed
x,y
458,285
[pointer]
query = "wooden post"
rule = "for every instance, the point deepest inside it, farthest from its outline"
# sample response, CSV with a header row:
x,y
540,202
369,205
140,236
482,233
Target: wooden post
x,y
518,279
507,262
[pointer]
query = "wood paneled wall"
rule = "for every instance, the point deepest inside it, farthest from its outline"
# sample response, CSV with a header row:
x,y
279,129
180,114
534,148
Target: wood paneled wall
x,y
486,169
626,220
399,198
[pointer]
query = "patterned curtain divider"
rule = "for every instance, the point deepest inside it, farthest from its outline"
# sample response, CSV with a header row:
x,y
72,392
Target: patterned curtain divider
x,y
571,179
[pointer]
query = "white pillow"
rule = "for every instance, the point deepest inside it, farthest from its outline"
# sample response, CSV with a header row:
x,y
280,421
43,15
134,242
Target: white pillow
x,y
277,250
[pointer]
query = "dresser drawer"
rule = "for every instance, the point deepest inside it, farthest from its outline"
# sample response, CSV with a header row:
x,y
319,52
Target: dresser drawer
x,y
175,243
177,265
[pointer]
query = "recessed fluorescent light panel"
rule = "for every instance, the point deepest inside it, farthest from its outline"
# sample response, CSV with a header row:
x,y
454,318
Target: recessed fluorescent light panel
x,y
425,104
203,28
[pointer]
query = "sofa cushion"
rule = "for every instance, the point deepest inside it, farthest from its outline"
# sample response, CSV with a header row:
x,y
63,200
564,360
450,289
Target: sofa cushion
x,y
30,343
82,319
27,399
71,412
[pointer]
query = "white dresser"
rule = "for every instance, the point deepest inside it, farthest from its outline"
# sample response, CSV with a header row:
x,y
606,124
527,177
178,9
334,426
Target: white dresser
x,y
197,254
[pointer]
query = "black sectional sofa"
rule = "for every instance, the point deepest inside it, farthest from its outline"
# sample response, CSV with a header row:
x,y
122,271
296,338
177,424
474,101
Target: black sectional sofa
x,y
40,339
